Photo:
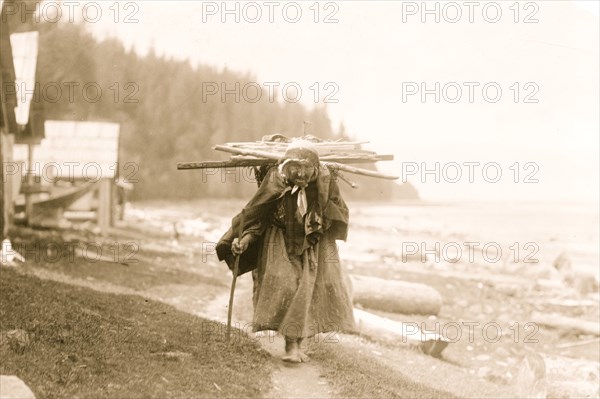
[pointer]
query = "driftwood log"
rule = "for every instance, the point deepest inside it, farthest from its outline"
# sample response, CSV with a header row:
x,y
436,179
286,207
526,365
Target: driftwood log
x,y
408,333
566,323
395,296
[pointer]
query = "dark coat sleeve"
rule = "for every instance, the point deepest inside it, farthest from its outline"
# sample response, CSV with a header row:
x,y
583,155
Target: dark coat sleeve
x,y
336,214
253,221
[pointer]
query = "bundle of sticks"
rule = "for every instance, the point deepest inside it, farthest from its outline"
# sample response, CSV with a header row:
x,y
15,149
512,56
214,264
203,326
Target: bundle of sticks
x,y
336,155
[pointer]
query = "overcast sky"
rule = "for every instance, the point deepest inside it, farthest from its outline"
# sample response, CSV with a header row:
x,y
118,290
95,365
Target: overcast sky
x,y
378,56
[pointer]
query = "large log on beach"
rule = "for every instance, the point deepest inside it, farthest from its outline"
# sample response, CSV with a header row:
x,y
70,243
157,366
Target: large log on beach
x,y
407,333
396,296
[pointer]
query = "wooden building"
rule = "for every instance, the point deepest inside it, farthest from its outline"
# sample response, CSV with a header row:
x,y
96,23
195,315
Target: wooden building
x,y
22,116
76,165
8,122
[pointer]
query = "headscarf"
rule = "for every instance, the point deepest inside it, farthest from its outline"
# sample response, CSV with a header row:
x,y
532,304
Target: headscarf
x,y
300,151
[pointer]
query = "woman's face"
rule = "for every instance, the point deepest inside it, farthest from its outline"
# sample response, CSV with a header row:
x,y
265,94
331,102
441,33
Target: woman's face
x,y
300,173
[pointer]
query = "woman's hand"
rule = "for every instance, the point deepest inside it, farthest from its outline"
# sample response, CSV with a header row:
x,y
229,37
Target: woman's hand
x,y
239,246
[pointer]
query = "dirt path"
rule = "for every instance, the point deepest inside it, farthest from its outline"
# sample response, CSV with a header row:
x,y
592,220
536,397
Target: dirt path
x,y
288,380
296,381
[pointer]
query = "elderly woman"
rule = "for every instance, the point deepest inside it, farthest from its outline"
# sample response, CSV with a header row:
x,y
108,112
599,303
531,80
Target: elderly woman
x,y
288,232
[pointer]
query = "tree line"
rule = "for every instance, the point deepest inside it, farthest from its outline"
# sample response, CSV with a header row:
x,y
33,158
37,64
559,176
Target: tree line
x,y
164,114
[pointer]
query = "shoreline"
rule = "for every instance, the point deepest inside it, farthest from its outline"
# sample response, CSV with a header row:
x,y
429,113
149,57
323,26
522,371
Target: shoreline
x,y
174,268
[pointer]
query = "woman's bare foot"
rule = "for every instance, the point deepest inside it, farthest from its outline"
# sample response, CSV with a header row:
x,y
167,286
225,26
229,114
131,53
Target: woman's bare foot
x,y
303,356
292,354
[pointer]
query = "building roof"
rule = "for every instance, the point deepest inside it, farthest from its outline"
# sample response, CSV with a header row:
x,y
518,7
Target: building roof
x,y
77,149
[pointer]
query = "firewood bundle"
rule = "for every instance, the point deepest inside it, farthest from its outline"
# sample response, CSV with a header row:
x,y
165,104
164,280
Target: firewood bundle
x,y
336,155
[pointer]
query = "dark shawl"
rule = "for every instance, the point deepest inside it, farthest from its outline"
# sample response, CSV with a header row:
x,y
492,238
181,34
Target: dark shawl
x,y
328,213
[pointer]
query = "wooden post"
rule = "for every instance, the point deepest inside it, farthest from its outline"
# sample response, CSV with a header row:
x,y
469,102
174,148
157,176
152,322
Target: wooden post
x,y
123,200
104,202
113,202
3,185
6,188
30,182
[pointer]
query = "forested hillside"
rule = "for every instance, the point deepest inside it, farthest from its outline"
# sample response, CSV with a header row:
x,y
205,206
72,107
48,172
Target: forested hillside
x,y
163,116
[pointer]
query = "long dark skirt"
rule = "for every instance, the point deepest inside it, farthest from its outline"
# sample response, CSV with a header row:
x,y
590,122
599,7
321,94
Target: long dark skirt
x,y
303,295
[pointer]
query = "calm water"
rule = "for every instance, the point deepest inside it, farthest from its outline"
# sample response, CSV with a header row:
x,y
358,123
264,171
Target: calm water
x,y
550,228
543,231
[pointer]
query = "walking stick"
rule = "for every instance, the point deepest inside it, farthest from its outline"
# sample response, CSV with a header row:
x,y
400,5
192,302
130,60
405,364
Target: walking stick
x,y
236,267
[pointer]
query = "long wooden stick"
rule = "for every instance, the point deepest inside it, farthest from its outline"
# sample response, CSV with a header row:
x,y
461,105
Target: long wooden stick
x,y
277,157
243,151
359,171
356,158
236,268
241,161
285,144
567,323
225,164
577,343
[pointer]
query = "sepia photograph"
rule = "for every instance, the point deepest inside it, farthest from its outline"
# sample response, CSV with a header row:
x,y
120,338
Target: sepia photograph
x,y
299,199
